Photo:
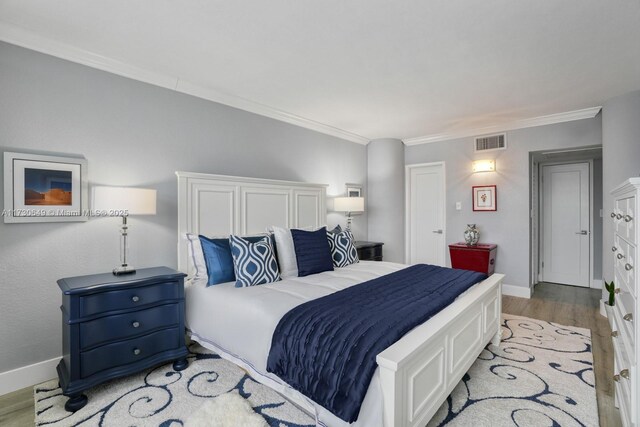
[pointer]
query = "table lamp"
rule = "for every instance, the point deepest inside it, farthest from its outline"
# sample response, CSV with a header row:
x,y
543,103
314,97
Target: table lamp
x,y
349,205
124,201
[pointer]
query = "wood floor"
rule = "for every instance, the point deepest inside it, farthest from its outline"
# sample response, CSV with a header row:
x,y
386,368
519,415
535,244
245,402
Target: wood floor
x,y
575,306
566,305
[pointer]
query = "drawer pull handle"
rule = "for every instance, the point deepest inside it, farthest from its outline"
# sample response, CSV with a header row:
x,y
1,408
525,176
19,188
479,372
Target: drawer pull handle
x,y
628,266
614,334
136,351
135,298
627,218
613,249
619,216
620,256
617,290
616,378
624,374
135,324
628,317
613,214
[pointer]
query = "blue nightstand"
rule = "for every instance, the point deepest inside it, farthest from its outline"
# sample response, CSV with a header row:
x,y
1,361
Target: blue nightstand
x,y
115,326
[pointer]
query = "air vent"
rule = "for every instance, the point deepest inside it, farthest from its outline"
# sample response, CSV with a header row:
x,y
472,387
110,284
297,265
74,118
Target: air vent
x,y
491,142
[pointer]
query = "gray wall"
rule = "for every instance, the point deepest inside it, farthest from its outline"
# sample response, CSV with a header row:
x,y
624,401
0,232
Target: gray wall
x,y
509,225
132,134
620,158
385,202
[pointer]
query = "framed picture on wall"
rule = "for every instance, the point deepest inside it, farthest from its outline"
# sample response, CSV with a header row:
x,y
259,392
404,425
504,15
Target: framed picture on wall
x,y
354,190
44,188
485,198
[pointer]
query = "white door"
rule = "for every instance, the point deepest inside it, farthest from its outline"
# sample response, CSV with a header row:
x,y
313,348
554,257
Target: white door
x,y
566,234
426,214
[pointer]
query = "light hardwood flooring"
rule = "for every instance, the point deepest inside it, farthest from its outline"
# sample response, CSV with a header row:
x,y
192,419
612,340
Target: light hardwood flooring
x,y
567,305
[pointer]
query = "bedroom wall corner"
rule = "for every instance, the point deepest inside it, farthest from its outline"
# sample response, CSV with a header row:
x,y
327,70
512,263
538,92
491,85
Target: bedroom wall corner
x,y
385,204
509,225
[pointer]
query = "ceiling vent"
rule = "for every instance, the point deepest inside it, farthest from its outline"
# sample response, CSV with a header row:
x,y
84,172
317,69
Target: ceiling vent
x,y
491,142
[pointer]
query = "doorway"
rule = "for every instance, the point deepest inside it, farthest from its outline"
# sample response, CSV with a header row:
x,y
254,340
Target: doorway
x,y
566,215
425,210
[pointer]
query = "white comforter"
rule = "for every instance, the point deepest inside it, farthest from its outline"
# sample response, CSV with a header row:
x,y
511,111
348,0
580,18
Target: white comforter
x,y
239,323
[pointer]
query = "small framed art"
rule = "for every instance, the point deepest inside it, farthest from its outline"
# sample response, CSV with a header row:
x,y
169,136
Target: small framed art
x,y
354,190
485,198
44,188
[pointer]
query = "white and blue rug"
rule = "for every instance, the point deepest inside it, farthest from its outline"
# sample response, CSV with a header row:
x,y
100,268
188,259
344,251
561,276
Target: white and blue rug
x,y
541,375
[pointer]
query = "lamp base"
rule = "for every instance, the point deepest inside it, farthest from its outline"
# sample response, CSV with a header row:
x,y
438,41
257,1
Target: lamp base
x,y
124,269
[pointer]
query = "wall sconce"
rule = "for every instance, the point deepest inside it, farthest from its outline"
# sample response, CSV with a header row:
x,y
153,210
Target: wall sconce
x,y
484,166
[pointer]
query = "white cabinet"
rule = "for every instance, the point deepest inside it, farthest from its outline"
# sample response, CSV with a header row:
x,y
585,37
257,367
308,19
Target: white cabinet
x,y
623,316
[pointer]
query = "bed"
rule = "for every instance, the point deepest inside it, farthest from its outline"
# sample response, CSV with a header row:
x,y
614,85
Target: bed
x,y
414,375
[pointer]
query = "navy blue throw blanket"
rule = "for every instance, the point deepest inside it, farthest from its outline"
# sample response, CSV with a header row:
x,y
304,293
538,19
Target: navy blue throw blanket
x,y
326,348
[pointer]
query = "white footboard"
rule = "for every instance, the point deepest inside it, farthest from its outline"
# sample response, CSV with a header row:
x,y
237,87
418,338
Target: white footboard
x,y
420,371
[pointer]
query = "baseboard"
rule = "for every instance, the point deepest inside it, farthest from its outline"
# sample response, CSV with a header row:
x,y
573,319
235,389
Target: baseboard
x,y
28,376
603,311
516,291
596,283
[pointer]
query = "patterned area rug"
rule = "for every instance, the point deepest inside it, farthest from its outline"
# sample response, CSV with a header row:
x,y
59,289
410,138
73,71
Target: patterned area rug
x,y
541,375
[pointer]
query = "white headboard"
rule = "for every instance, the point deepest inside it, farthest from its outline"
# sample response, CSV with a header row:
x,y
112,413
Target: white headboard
x,y
220,205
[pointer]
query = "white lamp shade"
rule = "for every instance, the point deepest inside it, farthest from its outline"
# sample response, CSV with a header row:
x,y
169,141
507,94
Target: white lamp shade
x,y
136,201
348,204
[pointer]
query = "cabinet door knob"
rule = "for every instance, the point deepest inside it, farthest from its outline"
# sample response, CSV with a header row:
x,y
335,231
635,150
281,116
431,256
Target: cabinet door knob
x,y
628,317
136,351
624,374
616,378
613,214
135,324
619,216
628,266
627,218
614,334
135,298
620,256
613,249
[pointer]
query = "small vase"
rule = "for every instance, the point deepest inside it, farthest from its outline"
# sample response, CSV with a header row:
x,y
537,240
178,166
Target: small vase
x,y
471,235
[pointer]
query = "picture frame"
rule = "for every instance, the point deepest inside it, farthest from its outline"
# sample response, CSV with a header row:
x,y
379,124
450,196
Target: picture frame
x,y
354,190
40,188
485,198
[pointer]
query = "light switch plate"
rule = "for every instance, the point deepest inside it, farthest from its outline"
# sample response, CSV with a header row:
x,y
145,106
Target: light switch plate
x,y
458,206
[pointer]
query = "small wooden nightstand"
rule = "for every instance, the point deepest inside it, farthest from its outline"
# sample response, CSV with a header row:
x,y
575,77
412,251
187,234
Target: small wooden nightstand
x,y
369,251
480,257
115,326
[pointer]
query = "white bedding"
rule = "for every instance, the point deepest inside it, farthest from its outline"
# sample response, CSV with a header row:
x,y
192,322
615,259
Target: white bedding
x,y
238,323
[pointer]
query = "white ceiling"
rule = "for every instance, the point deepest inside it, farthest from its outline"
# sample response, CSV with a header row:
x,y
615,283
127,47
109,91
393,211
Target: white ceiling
x,y
373,68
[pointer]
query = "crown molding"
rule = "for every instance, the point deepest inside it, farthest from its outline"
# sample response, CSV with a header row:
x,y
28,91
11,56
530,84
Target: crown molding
x,y
568,116
19,36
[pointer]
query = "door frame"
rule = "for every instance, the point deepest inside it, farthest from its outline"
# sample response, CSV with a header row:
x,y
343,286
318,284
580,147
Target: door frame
x,y
592,284
407,207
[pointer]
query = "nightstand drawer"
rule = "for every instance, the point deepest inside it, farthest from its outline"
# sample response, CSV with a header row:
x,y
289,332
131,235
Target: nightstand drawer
x,y
129,351
369,251
128,298
123,326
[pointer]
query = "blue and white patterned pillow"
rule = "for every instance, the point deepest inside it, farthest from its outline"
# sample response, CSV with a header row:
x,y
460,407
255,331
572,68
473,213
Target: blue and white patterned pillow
x,y
253,263
343,249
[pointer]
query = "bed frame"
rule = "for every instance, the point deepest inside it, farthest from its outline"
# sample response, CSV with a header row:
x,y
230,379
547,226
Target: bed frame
x,y
418,372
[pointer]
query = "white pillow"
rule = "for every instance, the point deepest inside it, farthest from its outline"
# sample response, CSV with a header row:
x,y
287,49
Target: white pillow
x,y
196,256
286,252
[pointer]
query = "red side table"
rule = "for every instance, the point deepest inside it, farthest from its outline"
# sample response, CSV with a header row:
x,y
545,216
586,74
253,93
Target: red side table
x,y
480,258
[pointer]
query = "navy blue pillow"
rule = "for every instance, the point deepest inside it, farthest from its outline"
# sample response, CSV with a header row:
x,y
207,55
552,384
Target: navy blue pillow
x,y
217,257
312,251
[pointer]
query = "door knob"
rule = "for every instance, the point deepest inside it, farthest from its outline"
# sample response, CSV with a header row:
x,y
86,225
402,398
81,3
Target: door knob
x,y
437,231
620,256
628,317
614,334
619,216
582,232
627,218
613,215
613,249
624,374
628,266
